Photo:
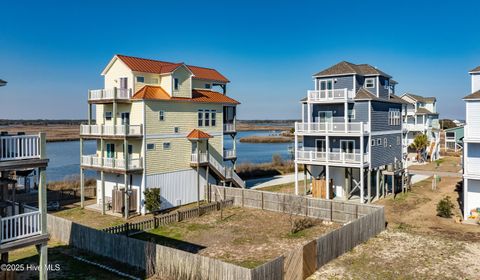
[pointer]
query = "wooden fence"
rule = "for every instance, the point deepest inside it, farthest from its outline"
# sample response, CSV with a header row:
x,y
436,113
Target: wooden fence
x,y
361,222
129,229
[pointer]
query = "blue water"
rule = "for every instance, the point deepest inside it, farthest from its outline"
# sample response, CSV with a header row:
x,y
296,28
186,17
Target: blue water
x,y
65,160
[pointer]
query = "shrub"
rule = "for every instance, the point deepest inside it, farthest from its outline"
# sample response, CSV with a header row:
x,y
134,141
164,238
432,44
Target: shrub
x,y
445,207
301,224
152,199
277,160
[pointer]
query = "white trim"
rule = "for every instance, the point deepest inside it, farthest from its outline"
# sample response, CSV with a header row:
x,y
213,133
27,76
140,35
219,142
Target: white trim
x,y
378,86
365,83
384,132
354,83
349,140
316,145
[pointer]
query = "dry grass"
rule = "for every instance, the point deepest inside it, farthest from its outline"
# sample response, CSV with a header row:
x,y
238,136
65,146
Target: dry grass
x,y
276,167
445,164
246,237
55,132
70,183
286,188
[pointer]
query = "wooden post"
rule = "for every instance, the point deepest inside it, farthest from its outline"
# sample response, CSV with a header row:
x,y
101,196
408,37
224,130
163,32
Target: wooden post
x,y
304,179
345,186
393,185
82,178
362,185
207,175
377,185
243,197
126,196
42,199
43,269
102,179
327,181
369,185
331,211
198,173
262,200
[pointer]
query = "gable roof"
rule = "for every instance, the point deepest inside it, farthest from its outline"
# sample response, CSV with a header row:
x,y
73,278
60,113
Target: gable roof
x,y
424,111
198,134
202,96
345,68
476,69
472,96
420,98
162,67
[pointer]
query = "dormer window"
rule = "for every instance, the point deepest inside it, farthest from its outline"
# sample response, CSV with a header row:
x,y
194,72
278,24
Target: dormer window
x,y
370,83
208,86
175,83
140,79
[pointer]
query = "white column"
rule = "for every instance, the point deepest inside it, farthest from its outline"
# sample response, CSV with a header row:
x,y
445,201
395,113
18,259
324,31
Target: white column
x,y
102,179
309,116
377,185
362,179
127,197
346,113
465,204
369,185
295,163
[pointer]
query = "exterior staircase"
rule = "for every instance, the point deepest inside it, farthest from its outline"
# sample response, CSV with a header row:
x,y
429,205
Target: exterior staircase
x,y
222,172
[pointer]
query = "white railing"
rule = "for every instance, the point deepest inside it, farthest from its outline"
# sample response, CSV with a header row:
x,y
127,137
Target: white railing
x,y
110,94
415,127
228,127
331,127
18,147
20,226
237,179
111,163
111,130
334,157
195,158
330,95
229,153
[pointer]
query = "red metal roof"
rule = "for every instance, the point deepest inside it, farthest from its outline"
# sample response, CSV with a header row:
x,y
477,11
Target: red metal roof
x,y
202,96
198,134
162,67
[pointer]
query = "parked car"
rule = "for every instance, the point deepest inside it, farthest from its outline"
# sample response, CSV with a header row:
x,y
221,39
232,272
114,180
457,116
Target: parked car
x,y
53,206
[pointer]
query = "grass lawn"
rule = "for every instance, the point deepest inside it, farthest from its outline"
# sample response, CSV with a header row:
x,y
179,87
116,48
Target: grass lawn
x,y
69,267
445,164
89,218
246,237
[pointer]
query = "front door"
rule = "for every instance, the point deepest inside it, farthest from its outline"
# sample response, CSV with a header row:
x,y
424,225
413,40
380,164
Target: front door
x,y
348,149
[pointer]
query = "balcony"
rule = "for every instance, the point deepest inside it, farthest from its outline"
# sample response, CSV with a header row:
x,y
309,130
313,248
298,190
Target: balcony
x,y
201,158
414,127
229,128
19,147
93,161
359,128
20,226
333,95
229,154
111,130
109,95
331,157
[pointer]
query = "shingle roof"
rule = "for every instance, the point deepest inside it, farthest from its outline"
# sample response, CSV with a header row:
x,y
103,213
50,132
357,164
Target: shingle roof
x,y
421,98
476,69
475,95
344,67
202,96
198,134
162,67
424,111
363,94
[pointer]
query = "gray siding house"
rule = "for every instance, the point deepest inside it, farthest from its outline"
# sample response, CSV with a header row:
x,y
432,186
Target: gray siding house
x,y
352,132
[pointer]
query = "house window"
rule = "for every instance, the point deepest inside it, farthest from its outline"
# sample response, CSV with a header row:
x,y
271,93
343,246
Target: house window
x,y
161,115
151,147
373,142
140,79
166,146
175,84
208,86
207,117
370,83
214,118
108,116
176,129
385,142
379,142
200,118
394,116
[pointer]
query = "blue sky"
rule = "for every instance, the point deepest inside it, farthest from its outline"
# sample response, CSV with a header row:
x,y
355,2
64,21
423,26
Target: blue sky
x,y
52,52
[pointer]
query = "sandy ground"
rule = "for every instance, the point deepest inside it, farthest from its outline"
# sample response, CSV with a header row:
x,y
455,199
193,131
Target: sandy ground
x,y
417,244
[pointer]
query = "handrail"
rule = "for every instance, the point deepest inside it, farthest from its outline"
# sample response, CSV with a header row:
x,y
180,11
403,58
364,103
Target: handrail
x,y
20,226
16,147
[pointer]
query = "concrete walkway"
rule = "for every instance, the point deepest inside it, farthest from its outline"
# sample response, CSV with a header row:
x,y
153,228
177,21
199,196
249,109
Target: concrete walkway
x,y
273,181
439,173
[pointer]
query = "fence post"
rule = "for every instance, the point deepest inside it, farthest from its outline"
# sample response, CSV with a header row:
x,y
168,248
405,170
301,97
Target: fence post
x,y
284,203
306,207
331,211
262,200
178,216
243,197
356,211
126,229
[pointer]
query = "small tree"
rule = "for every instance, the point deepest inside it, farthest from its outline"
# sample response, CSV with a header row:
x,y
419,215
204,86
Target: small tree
x,y
152,199
420,143
445,207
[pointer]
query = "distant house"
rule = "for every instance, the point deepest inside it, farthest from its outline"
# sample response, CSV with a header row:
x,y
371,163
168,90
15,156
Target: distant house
x,y
453,140
459,122
422,117
159,125
471,170
352,132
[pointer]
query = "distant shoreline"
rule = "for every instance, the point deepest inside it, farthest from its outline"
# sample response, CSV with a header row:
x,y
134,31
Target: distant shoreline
x,y
69,130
